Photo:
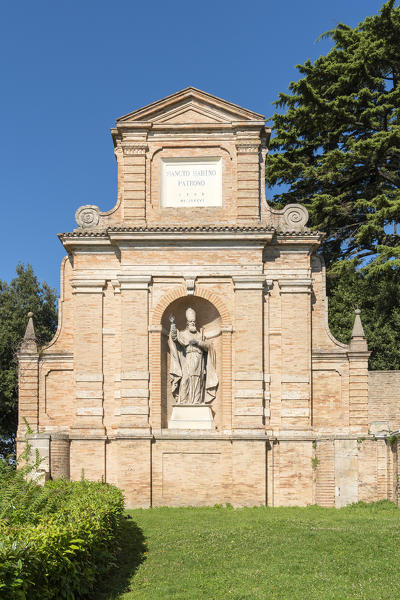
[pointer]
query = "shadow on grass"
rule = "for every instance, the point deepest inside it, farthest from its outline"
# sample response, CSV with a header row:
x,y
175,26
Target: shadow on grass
x,y
130,556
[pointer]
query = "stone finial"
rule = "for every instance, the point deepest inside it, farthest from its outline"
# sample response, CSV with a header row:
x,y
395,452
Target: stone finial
x,y
29,342
358,341
358,330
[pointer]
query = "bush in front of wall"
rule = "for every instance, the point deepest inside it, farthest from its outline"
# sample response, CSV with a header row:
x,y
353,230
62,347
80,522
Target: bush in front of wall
x,y
60,542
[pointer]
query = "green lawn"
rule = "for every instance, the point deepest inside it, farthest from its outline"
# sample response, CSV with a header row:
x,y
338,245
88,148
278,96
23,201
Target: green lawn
x,y
266,553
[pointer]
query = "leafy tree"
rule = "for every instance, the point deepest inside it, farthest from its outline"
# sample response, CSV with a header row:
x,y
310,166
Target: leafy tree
x,y
22,295
337,147
378,297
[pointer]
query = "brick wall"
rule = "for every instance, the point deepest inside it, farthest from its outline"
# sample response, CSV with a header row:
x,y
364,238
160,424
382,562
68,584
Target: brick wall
x,y
384,398
292,402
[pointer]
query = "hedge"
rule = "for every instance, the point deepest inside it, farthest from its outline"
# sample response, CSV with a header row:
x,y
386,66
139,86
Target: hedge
x,y
60,542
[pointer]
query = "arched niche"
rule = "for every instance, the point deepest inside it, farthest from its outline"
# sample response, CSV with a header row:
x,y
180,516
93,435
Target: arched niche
x,y
207,318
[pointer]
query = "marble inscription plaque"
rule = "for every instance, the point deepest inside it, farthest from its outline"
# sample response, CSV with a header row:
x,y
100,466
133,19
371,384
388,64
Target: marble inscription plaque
x,y
191,182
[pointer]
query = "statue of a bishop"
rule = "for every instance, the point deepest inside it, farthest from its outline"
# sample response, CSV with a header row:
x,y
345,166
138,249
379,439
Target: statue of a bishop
x,y
192,369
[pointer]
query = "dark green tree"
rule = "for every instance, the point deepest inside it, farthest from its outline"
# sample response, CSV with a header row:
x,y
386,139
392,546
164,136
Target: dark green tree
x,y
22,295
378,297
337,145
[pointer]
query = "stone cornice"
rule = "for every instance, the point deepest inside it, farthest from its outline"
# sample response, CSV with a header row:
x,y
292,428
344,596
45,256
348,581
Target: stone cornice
x,y
168,228
305,234
215,234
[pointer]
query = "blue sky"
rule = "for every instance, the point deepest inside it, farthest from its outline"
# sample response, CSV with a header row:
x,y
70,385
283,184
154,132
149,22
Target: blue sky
x,y
69,69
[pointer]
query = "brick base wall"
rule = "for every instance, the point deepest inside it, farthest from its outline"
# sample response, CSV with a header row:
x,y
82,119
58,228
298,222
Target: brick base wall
x,y
243,472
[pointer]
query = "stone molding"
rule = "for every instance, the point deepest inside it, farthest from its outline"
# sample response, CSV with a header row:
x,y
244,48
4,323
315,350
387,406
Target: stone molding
x,y
134,393
295,396
295,286
135,375
248,148
295,412
59,435
250,411
174,228
322,355
132,410
295,379
248,282
108,331
116,286
359,355
89,377
88,286
134,282
89,411
134,149
250,376
89,394
250,393
180,292
28,357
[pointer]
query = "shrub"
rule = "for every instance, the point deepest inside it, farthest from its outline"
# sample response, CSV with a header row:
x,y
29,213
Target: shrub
x,y
57,544
19,486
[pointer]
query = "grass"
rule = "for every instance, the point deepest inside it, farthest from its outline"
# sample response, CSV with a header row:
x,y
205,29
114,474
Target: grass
x,y
259,553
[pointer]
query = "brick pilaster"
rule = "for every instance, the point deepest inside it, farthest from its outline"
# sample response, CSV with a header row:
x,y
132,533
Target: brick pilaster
x,y
296,353
134,392
88,356
134,182
248,180
248,412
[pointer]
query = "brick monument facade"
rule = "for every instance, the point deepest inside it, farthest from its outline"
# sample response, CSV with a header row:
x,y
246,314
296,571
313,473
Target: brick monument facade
x,y
264,406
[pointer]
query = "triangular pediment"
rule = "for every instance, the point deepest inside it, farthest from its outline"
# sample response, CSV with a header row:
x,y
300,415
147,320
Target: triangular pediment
x,y
189,111
191,106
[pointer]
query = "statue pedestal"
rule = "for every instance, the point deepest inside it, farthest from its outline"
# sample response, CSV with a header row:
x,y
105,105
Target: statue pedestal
x,y
191,416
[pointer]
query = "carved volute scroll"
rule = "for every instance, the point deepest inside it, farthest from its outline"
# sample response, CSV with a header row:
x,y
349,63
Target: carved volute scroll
x,y
87,216
295,216
292,218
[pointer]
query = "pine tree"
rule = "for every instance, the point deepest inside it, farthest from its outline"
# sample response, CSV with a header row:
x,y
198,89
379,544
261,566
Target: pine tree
x,y
337,146
378,297
22,295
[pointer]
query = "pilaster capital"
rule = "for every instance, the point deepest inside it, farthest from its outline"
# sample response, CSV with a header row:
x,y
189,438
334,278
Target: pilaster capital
x,y
358,355
59,436
249,282
247,148
116,286
88,286
134,149
134,282
227,329
295,286
29,358
268,285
